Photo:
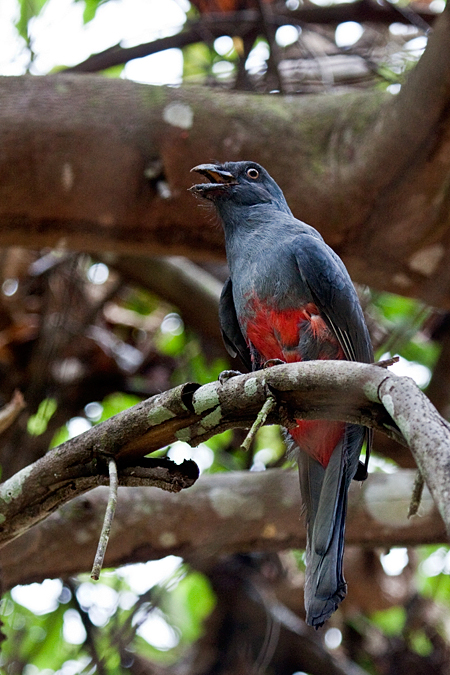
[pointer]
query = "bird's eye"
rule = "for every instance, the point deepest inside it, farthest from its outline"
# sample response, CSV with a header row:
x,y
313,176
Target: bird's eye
x,y
253,173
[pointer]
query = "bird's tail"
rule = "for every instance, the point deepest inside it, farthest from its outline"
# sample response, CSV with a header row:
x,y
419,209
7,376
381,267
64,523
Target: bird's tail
x,y
324,493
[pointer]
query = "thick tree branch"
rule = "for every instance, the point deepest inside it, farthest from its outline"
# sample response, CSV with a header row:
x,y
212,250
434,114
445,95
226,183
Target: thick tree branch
x,y
222,514
409,125
351,392
413,129
85,158
35,492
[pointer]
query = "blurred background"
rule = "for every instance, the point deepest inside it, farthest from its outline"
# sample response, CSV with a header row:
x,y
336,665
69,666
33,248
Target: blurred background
x,y
84,337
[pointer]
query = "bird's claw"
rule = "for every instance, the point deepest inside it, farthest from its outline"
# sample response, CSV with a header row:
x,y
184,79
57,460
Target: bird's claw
x,y
226,375
273,362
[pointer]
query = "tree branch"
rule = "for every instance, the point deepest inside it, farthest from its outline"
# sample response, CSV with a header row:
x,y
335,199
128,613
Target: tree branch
x,y
94,151
413,129
351,392
221,514
242,22
11,410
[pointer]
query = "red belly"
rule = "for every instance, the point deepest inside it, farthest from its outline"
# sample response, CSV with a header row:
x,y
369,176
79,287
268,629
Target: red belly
x,y
318,438
276,334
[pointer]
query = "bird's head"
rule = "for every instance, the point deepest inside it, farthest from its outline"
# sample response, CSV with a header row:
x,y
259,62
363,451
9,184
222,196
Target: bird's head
x,y
239,184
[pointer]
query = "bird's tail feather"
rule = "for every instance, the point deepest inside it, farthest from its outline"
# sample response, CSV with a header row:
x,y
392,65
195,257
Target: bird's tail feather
x,y
324,493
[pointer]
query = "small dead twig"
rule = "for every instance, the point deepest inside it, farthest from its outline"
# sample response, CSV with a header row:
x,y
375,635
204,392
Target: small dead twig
x,y
268,406
109,516
387,362
274,55
416,495
10,411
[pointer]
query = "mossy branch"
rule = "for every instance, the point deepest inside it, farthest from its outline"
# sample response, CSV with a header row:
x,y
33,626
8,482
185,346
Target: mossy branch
x,y
335,390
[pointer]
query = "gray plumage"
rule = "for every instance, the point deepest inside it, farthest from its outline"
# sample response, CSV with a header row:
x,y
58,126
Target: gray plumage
x,y
289,296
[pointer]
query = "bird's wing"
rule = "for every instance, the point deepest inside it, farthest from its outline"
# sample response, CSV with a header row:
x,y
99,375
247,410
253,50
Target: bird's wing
x,y
324,489
231,332
331,288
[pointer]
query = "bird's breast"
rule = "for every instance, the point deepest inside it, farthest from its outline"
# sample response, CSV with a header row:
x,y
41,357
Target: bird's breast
x,y
287,333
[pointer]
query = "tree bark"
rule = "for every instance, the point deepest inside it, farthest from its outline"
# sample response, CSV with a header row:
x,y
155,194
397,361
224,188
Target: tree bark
x,y
338,390
94,164
222,514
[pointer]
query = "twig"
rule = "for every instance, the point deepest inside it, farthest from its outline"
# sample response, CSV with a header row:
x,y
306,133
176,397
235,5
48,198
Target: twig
x,y
416,495
413,17
387,362
260,420
109,515
241,23
274,56
10,411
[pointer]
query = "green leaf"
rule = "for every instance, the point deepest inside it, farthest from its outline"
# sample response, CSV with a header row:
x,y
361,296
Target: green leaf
x,y
437,587
37,423
169,344
190,603
90,8
299,556
420,643
425,352
220,441
141,301
391,621
116,403
395,307
270,438
204,372
197,61
114,71
35,639
52,651
28,10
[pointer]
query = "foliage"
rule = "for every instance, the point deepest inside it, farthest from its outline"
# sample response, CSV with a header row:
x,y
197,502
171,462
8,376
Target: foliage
x,y
108,621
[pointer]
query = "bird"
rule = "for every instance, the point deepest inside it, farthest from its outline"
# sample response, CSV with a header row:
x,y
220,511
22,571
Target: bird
x,y
289,298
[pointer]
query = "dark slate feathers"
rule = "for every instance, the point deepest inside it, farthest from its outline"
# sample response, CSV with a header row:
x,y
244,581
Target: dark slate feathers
x,y
285,265
234,341
327,279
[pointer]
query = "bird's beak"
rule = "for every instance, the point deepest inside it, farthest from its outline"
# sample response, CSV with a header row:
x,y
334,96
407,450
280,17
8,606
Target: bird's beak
x,y
218,180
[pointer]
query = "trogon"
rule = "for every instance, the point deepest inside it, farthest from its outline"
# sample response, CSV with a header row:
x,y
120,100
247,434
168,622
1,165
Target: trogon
x,y
289,297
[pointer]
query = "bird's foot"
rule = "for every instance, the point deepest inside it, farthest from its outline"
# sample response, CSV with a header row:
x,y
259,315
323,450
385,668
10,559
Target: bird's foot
x,y
226,375
273,362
